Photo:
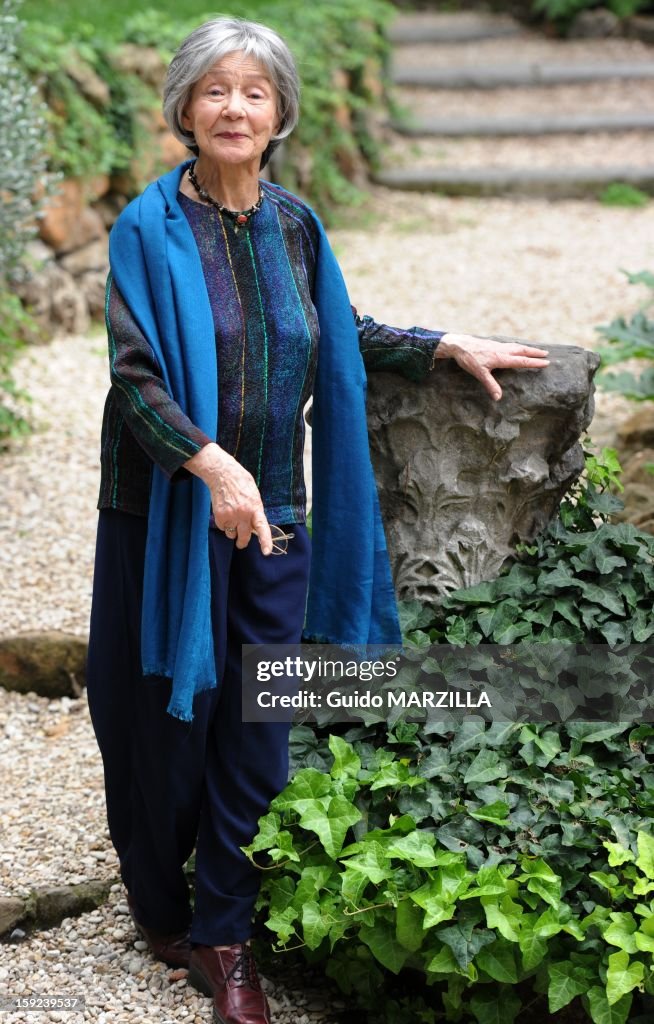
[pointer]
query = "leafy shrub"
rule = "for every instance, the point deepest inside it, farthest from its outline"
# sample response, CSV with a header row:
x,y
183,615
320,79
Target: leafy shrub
x,y
631,339
22,134
498,861
564,11
584,580
338,47
509,866
619,193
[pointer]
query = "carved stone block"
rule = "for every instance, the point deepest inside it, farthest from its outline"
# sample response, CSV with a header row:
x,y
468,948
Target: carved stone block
x,y
462,479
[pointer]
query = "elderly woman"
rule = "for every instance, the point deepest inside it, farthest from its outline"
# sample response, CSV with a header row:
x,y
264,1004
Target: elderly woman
x,y
226,312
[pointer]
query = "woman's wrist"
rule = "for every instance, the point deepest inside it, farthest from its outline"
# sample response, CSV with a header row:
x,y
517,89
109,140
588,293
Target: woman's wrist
x,y
445,346
208,463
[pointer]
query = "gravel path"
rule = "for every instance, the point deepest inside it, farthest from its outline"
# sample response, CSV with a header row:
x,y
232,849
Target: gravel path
x,y
546,272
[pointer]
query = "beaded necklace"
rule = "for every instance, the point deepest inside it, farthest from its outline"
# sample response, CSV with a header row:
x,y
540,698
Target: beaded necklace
x,y
240,217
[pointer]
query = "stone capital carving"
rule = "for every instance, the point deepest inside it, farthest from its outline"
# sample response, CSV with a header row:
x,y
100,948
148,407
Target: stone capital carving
x,y
463,479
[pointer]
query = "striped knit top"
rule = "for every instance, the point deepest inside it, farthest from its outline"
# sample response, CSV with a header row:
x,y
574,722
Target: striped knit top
x,y
260,285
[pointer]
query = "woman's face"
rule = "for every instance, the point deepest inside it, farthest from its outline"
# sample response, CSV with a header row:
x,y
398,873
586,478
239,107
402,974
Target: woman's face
x,y
232,111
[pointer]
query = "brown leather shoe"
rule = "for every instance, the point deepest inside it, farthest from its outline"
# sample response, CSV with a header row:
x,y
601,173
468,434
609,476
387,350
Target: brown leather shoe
x,y
173,949
230,976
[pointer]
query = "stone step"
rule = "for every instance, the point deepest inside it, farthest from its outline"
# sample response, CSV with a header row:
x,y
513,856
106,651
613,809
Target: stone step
x,y
467,27
494,76
552,182
613,97
544,124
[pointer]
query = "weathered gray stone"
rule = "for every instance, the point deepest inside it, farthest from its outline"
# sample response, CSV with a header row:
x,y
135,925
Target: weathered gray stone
x,y
94,88
144,61
559,182
51,664
463,479
47,906
640,26
637,432
531,124
595,24
54,298
52,905
12,910
94,256
495,76
93,285
68,308
465,27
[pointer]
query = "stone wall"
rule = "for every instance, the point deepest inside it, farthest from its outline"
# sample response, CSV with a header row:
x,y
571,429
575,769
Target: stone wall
x,y
67,266
462,478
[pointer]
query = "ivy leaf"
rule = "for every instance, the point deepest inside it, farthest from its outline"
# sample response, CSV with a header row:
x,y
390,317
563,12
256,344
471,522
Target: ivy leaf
x,y
486,767
409,929
417,848
308,786
621,932
602,1012
622,976
493,1007
566,981
533,947
370,860
617,854
504,915
395,775
314,925
346,761
542,880
353,886
496,812
443,962
267,835
281,922
331,825
498,962
383,945
465,941
645,859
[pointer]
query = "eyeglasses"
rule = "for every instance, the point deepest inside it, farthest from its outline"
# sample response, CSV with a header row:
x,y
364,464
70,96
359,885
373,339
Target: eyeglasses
x,y
279,540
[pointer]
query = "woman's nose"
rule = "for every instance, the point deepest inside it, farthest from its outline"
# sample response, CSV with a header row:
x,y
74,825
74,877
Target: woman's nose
x,y
234,104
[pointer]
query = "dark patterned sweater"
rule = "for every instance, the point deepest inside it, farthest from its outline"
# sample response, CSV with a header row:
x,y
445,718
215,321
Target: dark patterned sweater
x,y
260,285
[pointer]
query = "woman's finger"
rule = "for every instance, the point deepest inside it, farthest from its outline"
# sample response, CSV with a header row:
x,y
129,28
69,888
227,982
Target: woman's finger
x,y
261,527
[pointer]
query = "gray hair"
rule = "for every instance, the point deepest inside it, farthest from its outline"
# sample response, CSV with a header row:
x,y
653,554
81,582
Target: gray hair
x,y
208,44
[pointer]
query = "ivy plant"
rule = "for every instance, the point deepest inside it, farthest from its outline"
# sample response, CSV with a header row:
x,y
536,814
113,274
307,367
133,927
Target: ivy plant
x,y
503,864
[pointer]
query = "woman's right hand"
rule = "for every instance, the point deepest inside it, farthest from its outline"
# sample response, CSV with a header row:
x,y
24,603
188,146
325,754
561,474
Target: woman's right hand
x,y
235,499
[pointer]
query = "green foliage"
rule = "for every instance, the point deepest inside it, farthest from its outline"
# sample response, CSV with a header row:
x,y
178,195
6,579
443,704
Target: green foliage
x,y
87,136
631,339
22,132
16,327
584,580
621,194
340,48
387,854
22,141
564,11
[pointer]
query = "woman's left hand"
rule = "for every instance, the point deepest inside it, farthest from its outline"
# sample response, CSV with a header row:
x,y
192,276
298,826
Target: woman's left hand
x,y
480,356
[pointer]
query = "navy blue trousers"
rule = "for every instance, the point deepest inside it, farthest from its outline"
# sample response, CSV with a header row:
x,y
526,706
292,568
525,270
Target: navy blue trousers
x,y
173,786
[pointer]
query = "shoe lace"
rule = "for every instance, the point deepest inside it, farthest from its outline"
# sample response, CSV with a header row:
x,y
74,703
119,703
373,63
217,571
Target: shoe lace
x,y
244,970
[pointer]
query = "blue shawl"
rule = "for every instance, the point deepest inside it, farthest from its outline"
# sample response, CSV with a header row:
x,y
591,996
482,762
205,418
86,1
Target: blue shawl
x,y
156,266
